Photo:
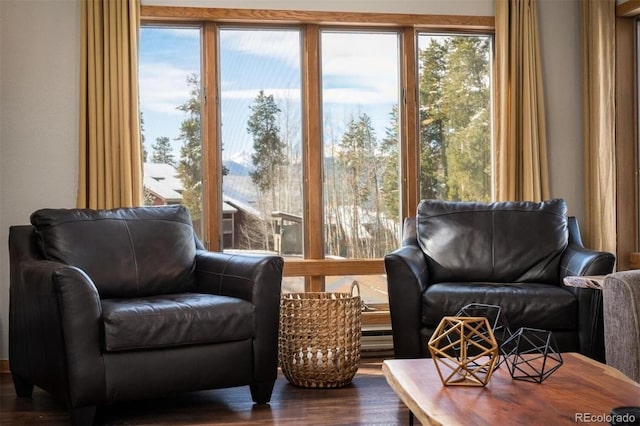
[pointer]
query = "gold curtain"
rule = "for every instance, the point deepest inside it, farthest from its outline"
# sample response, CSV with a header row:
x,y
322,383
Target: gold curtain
x,y
520,157
597,25
110,172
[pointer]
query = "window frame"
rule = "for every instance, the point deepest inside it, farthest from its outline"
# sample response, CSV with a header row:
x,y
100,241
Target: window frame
x,y
314,267
627,135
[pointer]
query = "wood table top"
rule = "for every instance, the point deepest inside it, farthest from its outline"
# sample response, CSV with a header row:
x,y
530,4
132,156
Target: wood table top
x,y
580,391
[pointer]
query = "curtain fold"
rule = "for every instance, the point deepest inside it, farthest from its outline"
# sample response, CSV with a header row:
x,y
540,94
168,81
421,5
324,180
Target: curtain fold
x,y
520,156
110,169
597,27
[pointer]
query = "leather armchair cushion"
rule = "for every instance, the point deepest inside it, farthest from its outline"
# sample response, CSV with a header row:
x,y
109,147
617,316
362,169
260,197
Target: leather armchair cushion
x,y
544,306
175,320
126,252
494,242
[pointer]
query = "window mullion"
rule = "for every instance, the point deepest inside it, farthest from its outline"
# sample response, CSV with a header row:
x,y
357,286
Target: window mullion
x,y
211,149
313,226
409,128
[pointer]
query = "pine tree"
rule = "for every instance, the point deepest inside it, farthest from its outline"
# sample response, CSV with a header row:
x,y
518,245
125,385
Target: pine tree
x,y
357,160
190,165
389,149
455,139
147,198
432,121
142,138
268,148
162,151
466,103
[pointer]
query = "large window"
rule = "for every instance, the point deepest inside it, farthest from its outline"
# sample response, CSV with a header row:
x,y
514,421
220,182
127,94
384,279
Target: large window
x,y
455,116
260,97
260,125
314,141
170,104
360,80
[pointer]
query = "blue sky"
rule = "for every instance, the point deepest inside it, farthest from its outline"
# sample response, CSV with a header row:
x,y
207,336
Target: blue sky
x,y
166,58
360,75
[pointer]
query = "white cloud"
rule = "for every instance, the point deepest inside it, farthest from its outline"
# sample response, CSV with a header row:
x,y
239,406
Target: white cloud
x,y
358,47
190,32
370,59
362,68
278,94
359,96
379,95
281,44
347,56
368,69
163,87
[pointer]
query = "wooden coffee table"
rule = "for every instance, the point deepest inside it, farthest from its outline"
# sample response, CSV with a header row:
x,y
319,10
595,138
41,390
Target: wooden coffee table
x,y
580,391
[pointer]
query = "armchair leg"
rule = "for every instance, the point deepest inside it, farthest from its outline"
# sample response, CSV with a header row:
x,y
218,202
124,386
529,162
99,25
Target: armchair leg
x,y
24,388
261,392
82,415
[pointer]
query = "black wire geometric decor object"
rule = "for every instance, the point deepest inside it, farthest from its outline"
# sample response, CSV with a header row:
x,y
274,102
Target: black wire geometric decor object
x,y
497,321
464,351
531,354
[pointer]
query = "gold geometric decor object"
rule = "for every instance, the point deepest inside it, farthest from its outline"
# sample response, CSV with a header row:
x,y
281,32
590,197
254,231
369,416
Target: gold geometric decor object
x,y
464,350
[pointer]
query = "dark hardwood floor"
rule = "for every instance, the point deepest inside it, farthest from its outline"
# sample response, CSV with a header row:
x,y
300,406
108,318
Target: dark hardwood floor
x,y
368,400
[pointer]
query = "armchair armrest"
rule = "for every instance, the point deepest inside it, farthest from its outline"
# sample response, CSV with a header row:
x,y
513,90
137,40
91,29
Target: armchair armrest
x,y
257,279
247,277
55,334
578,260
407,278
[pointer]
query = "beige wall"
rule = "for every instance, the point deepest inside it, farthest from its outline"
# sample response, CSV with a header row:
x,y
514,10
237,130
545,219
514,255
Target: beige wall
x,y
560,50
39,74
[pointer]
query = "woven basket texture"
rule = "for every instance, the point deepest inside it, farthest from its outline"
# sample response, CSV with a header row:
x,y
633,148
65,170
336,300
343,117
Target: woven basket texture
x,y
319,341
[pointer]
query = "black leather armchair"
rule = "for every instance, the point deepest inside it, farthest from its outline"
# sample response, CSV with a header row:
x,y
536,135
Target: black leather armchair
x,y
125,304
511,254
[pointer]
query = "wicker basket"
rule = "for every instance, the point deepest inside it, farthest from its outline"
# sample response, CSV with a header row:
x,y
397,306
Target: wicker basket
x,y
319,342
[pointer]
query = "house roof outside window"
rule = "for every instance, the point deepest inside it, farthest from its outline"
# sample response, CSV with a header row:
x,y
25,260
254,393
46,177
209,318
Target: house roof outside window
x,y
163,182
